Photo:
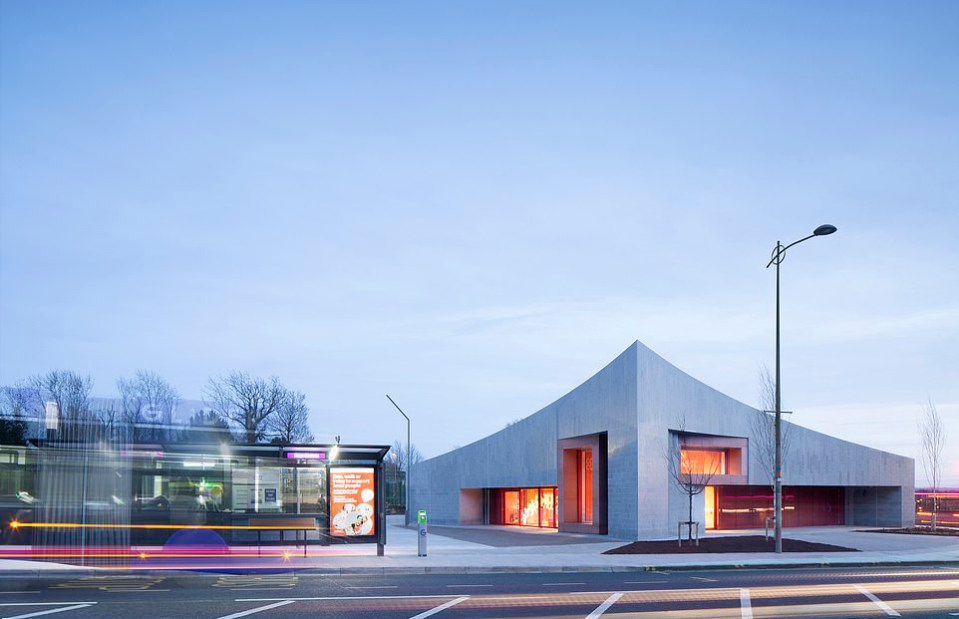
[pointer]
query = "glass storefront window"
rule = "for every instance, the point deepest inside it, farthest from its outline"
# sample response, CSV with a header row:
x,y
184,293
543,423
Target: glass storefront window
x,y
529,498
511,507
529,507
547,507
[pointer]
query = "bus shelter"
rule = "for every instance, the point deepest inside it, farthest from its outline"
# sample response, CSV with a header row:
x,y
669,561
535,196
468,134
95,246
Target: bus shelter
x,y
56,495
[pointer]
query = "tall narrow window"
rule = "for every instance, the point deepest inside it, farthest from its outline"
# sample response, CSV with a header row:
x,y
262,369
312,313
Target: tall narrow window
x,y
547,507
710,497
529,500
584,482
511,507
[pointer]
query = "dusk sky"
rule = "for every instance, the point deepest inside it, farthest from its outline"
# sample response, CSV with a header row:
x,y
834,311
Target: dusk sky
x,y
475,206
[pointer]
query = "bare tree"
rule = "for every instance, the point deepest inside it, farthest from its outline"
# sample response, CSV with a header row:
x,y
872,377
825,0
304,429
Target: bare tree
x,y
397,456
109,414
764,428
66,395
689,473
206,426
15,413
932,434
395,464
147,403
247,401
291,421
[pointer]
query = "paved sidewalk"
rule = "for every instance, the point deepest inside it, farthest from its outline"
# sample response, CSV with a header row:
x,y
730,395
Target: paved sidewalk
x,y
538,551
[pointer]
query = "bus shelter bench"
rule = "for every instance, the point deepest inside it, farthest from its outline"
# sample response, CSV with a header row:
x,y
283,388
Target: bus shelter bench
x,y
283,525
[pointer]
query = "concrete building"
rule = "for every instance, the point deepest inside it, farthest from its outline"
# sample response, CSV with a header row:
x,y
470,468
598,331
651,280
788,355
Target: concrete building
x,y
599,460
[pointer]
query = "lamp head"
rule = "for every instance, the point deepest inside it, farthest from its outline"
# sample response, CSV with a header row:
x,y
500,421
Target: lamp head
x,y
824,229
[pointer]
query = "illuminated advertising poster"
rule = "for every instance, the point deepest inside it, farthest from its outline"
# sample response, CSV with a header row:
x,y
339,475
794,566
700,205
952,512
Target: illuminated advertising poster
x,y
351,501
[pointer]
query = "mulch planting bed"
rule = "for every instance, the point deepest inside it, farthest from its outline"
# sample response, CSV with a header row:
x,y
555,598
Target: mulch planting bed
x,y
743,543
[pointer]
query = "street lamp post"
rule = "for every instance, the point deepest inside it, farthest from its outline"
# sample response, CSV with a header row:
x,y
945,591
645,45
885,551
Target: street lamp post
x,y
409,459
779,253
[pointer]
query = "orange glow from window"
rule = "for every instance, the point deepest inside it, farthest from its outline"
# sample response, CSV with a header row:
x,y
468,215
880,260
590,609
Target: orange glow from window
x,y
584,479
702,462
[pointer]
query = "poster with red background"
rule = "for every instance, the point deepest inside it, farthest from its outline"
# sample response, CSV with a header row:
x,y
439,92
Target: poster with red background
x,y
352,497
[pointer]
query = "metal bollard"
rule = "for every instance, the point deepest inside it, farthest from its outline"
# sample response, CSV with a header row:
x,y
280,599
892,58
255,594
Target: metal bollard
x,y
421,541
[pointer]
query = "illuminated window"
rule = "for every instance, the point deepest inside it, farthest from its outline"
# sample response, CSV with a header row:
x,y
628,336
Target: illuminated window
x,y
710,499
547,507
529,500
528,507
511,507
584,482
702,462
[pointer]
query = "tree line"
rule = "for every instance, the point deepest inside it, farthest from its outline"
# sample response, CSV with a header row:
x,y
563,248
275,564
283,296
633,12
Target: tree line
x,y
239,407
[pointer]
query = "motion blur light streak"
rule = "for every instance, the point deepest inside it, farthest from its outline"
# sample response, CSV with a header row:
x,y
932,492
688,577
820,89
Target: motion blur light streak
x,y
77,525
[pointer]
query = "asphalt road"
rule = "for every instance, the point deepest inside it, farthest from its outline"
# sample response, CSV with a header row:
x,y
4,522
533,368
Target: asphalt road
x,y
741,594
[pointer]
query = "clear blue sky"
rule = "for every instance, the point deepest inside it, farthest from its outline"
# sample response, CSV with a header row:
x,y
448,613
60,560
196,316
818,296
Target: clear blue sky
x,y
475,206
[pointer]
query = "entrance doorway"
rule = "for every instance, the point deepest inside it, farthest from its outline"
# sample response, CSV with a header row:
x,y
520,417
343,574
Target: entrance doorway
x,y
583,484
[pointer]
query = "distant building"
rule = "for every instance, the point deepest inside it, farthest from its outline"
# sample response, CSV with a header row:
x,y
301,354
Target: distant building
x,y
598,459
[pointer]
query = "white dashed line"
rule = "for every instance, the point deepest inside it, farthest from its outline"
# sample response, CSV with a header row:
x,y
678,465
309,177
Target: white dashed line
x,y
260,609
882,605
375,587
745,604
704,579
561,584
469,585
602,608
440,608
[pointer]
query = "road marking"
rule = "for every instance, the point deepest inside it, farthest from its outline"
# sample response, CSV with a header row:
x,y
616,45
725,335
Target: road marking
x,y
49,612
440,608
375,587
256,610
882,605
16,592
704,579
561,584
644,582
746,605
469,585
112,584
256,581
602,608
